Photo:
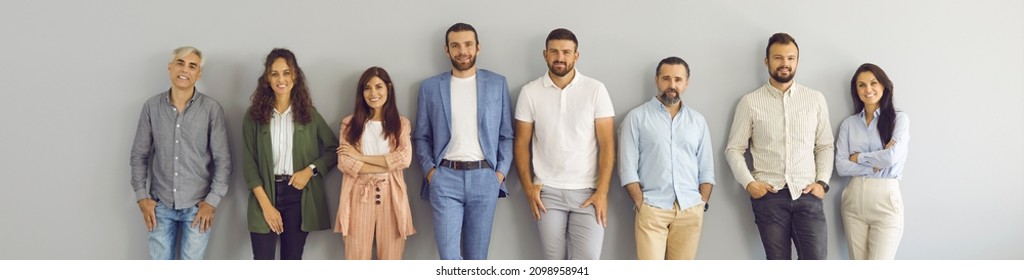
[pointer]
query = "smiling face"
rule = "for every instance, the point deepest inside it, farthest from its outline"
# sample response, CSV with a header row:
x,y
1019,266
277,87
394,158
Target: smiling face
x,y
782,61
561,56
462,49
375,93
869,89
281,77
185,71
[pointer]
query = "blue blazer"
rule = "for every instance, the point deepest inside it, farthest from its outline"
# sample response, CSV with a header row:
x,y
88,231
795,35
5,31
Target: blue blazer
x,y
434,121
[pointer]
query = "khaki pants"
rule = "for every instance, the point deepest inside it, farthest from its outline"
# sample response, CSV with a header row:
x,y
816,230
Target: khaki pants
x,y
873,217
663,234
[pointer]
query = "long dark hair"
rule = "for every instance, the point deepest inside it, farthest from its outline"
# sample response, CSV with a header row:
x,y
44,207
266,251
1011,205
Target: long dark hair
x,y
263,97
887,115
391,121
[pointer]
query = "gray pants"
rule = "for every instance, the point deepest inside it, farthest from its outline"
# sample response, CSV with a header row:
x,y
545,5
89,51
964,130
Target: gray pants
x,y
566,230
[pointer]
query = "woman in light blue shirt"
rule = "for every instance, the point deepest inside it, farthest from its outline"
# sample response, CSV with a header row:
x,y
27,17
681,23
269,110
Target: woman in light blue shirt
x,y
872,149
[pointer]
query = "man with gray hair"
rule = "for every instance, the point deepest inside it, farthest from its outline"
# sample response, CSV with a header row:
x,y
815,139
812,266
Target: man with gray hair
x,y
667,167
180,161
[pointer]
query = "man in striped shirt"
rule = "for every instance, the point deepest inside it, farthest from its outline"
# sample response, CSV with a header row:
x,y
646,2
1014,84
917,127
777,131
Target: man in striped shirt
x,y
787,128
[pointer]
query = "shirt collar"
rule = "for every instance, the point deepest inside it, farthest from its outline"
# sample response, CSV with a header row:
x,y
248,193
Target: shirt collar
x,y
551,83
778,93
195,95
285,113
863,112
655,103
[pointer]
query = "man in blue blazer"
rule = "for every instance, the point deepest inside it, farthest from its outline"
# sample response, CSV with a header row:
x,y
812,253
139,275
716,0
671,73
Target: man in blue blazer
x,y
463,139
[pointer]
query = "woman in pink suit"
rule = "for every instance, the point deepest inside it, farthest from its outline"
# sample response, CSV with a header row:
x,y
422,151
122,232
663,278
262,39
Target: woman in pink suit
x,y
373,152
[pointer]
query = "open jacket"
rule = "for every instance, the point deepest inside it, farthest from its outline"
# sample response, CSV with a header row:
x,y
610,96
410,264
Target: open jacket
x,y
354,184
312,143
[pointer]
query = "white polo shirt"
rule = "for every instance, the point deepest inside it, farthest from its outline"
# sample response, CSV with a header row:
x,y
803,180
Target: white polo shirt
x,y
564,141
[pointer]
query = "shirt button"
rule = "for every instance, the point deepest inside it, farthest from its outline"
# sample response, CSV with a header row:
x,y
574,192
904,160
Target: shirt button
x,y
175,158
175,173
175,141
177,125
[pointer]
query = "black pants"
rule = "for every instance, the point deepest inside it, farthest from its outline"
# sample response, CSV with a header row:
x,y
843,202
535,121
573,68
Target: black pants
x,y
293,239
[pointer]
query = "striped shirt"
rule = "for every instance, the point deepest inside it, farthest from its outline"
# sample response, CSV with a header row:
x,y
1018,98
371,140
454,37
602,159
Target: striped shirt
x,y
789,135
282,130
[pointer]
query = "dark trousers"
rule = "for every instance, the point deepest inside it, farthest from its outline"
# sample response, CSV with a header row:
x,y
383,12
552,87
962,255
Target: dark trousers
x,y
293,239
784,222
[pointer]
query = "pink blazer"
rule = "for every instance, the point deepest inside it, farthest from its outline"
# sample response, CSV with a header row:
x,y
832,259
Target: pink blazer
x,y
398,159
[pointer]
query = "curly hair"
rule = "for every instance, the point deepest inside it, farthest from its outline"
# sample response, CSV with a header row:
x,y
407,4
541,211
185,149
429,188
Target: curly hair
x,y
263,98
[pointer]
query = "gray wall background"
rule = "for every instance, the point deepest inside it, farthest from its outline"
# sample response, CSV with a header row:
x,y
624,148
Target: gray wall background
x,y
75,74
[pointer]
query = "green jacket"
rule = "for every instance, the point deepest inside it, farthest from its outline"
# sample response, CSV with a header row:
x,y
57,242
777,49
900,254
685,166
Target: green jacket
x,y
312,143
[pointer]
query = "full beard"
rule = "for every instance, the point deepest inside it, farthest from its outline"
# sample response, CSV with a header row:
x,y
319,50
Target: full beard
x,y
667,99
565,70
780,79
464,66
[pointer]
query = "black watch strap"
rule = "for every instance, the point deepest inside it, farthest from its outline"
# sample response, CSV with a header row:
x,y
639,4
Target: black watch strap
x,y
823,184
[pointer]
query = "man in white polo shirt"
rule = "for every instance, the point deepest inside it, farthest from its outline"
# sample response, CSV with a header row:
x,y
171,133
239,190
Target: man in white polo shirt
x,y
570,120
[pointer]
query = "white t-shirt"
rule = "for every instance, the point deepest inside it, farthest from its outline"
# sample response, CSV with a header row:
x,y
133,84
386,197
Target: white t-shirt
x,y
372,141
465,141
564,141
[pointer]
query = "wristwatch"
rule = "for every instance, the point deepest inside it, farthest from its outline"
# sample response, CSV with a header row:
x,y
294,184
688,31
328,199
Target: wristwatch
x,y
315,171
823,184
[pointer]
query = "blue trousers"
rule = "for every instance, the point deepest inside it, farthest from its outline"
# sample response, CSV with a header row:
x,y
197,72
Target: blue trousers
x,y
169,224
463,203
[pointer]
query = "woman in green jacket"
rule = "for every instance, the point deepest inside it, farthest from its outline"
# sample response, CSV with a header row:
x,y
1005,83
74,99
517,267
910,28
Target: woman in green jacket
x,y
287,146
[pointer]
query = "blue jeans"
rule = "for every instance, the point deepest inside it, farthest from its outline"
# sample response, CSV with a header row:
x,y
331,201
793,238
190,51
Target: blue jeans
x,y
463,203
784,222
164,237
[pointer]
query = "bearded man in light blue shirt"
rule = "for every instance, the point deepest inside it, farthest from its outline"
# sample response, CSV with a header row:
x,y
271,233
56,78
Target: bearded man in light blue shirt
x,y
666,165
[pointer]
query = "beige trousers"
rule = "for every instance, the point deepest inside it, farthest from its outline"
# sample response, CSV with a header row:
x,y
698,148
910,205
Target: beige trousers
x,y
873,218
663,234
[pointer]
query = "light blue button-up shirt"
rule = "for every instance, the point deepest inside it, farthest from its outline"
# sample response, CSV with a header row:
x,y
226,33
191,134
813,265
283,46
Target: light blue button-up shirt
x,y
857,136
669,157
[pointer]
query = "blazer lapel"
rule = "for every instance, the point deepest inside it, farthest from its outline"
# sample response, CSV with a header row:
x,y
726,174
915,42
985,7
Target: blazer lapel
x,y
481,100
446,98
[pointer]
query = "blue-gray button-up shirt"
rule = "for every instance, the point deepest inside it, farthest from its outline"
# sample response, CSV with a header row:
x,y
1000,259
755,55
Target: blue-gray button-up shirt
x,y
181,159
669,157
856,136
